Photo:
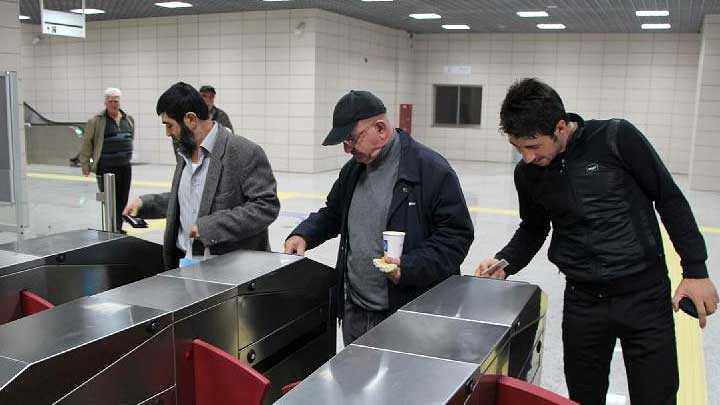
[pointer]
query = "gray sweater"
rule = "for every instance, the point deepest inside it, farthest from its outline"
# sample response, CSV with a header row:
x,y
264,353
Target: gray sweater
x,y
367,220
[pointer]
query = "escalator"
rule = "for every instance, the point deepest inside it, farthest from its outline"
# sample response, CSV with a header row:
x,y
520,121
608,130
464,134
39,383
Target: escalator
x,y
50,142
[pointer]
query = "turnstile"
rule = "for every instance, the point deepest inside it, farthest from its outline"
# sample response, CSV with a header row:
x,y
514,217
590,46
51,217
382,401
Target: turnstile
x,y
437,348
131,344
70,265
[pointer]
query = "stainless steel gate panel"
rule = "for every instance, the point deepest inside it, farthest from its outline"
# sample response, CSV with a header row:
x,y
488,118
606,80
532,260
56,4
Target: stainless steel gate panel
x,y
460,297
71,343
182,297
235,268
143,372
200,309
272,310
438,337
261,314
60,242
361,375
66,266
491,327
9,368
11,262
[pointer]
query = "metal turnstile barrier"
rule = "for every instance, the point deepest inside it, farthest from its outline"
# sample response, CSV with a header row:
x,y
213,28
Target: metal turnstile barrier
x,y
70,265
438,348
131,344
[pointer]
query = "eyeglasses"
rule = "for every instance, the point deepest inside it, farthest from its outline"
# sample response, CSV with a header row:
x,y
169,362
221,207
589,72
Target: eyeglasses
x,y
354,139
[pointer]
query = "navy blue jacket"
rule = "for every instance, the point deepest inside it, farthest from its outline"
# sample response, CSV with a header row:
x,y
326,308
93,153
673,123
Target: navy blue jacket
x,y
427,204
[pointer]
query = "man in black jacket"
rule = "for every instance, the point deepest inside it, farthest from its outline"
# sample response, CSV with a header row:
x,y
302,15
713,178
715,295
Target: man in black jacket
x,y
596,183
391,183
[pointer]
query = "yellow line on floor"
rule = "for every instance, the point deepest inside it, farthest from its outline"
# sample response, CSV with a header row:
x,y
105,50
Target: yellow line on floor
x,y
283,195
91,179
494,211
691,361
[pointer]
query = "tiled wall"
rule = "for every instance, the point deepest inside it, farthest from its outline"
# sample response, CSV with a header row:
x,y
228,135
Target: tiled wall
x,y
264,74
706,142
280,85
648,79
353,54
10,34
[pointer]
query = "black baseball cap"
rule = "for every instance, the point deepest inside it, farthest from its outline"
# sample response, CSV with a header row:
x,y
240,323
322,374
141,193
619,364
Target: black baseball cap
x,y
355,106
207,89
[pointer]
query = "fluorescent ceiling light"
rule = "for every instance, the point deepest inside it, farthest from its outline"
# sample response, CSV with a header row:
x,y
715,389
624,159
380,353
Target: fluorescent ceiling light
x,y
664,26
24,17
425,16
174,4
456,26
652,13
88,11
551,26
527,14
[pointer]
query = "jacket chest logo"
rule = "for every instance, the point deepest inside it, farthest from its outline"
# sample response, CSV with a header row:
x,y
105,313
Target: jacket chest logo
x,y
591,169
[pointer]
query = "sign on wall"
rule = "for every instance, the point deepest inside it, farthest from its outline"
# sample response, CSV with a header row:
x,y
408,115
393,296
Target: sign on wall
x,y
458,70
62,23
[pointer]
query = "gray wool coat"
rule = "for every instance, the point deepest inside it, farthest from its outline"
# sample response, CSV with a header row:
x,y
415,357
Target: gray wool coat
x,y
238,203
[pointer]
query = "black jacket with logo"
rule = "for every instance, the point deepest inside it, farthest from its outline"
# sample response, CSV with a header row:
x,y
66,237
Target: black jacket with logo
x,y
427,204
599,195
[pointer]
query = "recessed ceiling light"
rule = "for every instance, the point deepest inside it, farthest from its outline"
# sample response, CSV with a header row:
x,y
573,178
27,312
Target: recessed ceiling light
x,y
664,26
88,11
652,13
551,26
532,13
456,26
23,17
425,16
174,4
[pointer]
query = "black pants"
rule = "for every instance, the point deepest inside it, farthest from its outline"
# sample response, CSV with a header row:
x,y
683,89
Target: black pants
x,y
123,175
643,321
357,320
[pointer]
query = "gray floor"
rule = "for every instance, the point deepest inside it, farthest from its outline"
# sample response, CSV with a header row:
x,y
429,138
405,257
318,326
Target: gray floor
x,y
63,204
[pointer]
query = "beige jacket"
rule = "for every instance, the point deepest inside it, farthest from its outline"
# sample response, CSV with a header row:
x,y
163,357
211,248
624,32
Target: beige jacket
x,y
93,139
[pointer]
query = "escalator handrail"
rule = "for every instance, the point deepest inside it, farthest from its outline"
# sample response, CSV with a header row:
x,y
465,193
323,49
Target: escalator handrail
x,y
49,122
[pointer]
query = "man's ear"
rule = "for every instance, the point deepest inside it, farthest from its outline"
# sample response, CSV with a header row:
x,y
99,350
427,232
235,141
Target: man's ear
x,y
382,128
190,120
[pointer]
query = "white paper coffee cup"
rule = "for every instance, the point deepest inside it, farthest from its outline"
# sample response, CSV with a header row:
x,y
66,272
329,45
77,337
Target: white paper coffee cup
x,y
393,243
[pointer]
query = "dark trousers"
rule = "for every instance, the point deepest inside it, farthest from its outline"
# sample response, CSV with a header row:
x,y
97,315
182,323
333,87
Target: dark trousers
x,y
123,175
643,321
357,320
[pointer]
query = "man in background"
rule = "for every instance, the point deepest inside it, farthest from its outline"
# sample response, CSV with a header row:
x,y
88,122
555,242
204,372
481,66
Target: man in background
x,y
107,147
216,114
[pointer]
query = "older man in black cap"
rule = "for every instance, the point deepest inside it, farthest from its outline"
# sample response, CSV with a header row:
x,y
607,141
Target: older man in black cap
x,y
392,183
